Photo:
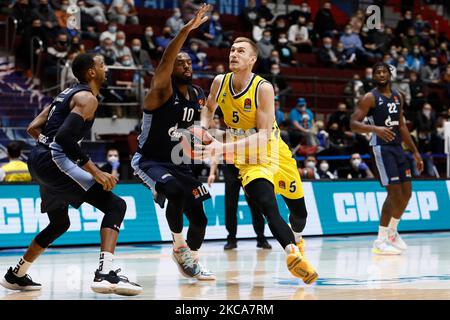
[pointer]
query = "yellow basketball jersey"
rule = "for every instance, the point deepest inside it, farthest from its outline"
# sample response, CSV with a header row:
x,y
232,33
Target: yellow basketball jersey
x,y
16,171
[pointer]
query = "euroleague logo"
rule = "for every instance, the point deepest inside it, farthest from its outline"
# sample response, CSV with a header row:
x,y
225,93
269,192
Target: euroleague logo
x,y
247,105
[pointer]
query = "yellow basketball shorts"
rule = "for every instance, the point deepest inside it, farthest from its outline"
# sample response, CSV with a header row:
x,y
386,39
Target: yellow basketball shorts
x,y
281,172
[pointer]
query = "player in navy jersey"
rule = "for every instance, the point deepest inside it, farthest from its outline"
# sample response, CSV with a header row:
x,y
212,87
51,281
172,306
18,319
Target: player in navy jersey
x,y
67,176
383,108
171,106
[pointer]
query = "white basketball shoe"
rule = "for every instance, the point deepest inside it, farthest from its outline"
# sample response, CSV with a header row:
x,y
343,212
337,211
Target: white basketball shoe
x,y
396,240
384,247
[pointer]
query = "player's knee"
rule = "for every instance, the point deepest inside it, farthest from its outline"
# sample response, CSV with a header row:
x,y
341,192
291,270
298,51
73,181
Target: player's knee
x,y
119,209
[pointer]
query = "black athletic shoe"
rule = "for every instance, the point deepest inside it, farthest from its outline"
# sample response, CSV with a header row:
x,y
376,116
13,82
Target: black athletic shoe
x,y
13,282
231,244
263,244
113,283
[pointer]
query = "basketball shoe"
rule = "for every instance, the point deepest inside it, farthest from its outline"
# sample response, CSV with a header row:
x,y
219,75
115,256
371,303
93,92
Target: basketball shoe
x,y
384,247
301,246
396,241
113,283
13,282
204,273
300,267
185,262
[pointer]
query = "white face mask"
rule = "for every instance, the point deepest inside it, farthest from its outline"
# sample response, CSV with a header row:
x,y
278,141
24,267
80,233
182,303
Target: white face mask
x,y
282,40
112,29
126,62
113,158
324,166
136,48
310,164
356,163
149,33
120,42
262,24
215,18
177,14
427,113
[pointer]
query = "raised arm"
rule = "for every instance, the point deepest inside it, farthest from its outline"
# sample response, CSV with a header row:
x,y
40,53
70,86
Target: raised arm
x,y
35,127
361,111
161,85
207,113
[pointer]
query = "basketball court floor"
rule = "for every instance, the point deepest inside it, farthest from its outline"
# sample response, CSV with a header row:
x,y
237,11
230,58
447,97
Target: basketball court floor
x,y
347,270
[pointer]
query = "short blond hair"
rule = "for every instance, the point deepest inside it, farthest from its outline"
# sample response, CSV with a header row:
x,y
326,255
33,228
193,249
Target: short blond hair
x,y
249,41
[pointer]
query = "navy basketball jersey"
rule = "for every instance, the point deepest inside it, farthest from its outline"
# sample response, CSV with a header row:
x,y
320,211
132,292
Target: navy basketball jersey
x,y
160,131
386,113
59,110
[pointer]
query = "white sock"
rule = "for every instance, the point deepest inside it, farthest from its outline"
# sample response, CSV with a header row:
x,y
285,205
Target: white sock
x,y
106,262
298,236
195,255
382,232
178,240
22,267
291,248
394,223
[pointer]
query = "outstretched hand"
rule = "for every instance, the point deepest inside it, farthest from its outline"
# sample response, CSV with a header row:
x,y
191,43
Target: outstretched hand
x,y
200,16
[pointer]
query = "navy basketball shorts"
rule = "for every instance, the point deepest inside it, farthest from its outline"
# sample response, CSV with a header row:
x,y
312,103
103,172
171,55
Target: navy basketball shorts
x,y
151,172
392,164
61,181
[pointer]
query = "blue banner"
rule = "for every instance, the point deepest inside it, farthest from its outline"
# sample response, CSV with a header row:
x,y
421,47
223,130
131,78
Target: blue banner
x,y
335,207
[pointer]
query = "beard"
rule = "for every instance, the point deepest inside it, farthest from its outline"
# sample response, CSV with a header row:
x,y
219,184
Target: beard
x,y
381,84
182,79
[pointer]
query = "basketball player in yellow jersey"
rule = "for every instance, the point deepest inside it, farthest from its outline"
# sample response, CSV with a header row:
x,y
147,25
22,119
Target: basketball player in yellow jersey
x,y
247,103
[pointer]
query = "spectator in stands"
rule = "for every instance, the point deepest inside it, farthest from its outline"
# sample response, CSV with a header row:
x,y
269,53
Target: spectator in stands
x,y
344,60
354,89
46,14
446,80
250,14
415,60
149,44
61,14
76,45
302,121
353,44
404,24
279,83
175,22
264,11
220,68
305,11
382,39
32,42
286,54
341,118
358,169
327,54
298,36
120,48
112,164
324,171
198,58
141,58
324,23
188,10
265,48
400,83
123,11
212,32
425,125
309,171
67,77
322,136
163,40
258,29
106,48
279,27
431,73
22,13
96,12
420,25
15,170
111,33
280,118
443,54
417,89
57,53
368,81
411,39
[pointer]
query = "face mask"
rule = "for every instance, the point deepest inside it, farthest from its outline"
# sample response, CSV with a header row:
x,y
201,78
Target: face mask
x,y
324,166
177,14
304,9
262,25
356,163
112,29
369,76
126,62
365,29
215,18
380,30
113,158
427,113
328,46
275,71
340,49
166,34
136,48
302,108
120,42
267,39
194,48
416,51
282,40
149,33
310,164
108,48
348,32
62,43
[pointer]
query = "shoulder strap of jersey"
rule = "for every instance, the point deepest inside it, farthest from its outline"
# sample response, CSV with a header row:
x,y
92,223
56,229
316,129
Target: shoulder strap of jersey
x,y
222,85
258,80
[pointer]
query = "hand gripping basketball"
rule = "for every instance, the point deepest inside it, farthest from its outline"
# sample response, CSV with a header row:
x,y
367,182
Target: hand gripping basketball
x,y
194,135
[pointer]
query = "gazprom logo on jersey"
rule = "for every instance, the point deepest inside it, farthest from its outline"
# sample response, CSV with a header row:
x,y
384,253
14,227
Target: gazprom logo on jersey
x,y
353,207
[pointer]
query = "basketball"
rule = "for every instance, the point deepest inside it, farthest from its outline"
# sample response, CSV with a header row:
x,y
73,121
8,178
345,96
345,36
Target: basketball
x,y
192,136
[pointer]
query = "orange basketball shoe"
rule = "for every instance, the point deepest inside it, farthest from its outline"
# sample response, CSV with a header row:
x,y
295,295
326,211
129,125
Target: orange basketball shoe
x,y
300,267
